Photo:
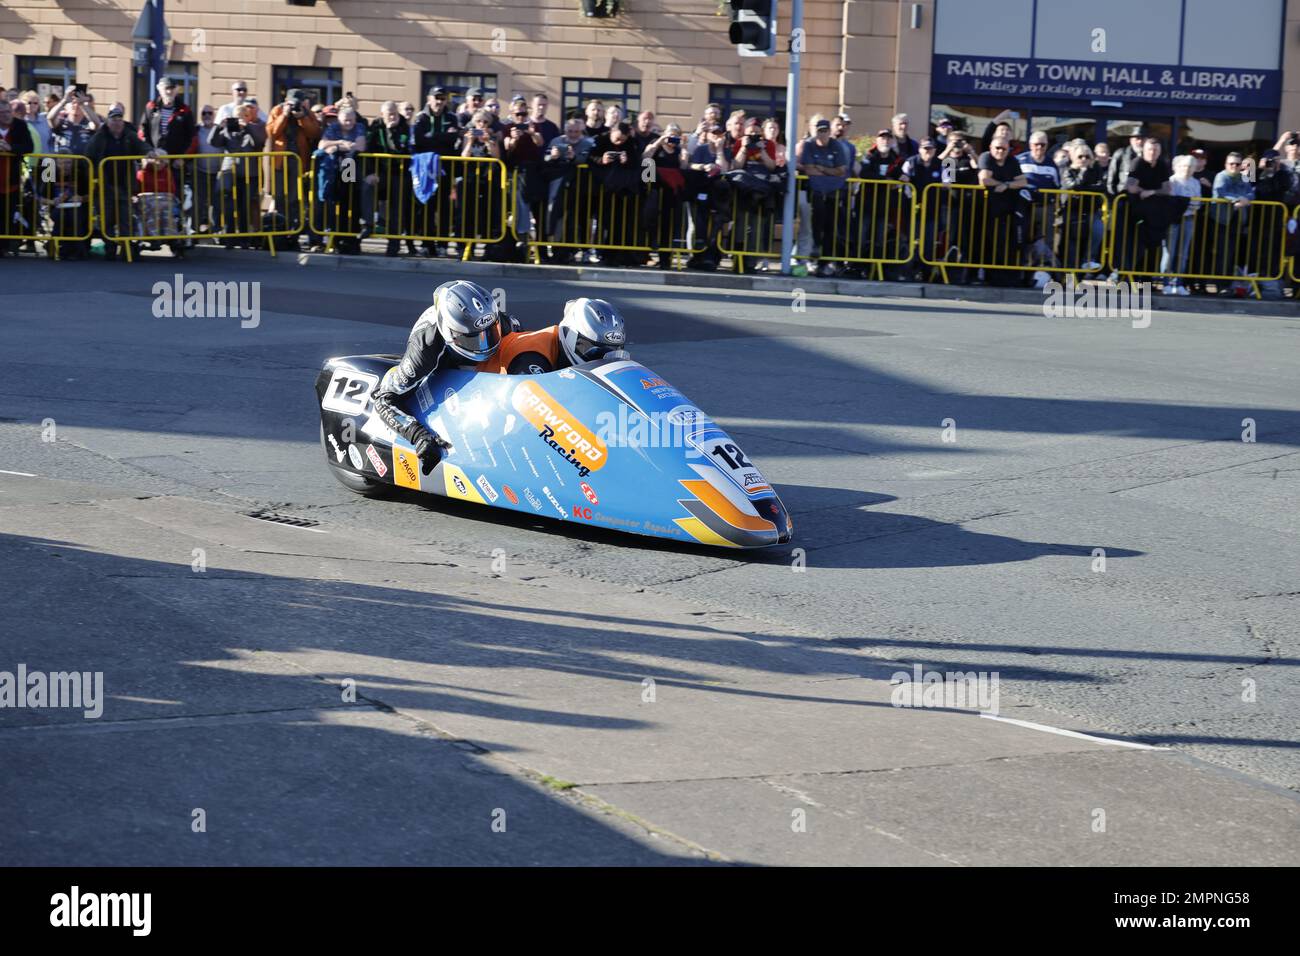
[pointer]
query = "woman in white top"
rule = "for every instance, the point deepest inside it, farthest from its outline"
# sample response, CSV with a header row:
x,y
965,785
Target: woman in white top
x,y
1178,241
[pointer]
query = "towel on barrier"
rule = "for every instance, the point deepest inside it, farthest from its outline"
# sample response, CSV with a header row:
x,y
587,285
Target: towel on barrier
x,y
425,168
327,169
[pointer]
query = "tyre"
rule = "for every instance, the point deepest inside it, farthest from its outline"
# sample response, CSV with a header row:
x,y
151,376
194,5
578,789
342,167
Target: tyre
x,y
358,484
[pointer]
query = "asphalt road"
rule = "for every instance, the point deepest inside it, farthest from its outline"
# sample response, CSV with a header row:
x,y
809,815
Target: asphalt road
x,y
523,688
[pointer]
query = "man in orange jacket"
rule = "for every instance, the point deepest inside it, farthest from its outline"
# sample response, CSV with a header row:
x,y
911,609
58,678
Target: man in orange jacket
x,y
290,128
590,329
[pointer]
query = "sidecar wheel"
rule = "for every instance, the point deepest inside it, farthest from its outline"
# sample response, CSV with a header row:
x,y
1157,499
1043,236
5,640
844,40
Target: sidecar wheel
x,y
357,484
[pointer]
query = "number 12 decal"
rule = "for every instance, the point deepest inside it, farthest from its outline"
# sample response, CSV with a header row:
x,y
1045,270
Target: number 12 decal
x,y
348,391
735,460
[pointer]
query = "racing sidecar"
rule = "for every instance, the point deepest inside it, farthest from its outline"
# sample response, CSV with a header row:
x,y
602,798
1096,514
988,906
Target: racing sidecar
x,y
609,443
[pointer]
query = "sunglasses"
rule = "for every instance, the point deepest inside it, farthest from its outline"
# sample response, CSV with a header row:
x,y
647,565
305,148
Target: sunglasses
x,y
241,89
207,112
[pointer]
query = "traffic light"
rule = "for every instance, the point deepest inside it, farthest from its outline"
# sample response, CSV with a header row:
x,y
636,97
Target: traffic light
x,y
753,27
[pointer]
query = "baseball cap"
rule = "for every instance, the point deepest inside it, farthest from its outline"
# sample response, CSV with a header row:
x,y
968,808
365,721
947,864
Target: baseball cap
x,y
943,122
845,119
885,132
927,143
437,91
474,91
1198,153
823,124
116,110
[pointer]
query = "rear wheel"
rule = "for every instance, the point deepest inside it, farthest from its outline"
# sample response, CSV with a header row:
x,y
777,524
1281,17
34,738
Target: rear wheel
x,y
358,484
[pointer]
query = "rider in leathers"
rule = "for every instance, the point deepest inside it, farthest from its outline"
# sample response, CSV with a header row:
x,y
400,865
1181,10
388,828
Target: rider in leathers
x,y
461,329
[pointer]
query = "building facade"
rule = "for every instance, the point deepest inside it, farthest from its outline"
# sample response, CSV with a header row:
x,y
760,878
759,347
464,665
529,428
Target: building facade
x,y
966,59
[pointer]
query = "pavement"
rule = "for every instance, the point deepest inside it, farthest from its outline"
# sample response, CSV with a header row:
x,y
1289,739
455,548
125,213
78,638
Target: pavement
x,y
419,681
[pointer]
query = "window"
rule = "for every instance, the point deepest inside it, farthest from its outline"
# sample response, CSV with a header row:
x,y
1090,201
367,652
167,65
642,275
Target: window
x,y
45,74
760,101
185,75
458,83
323,84
624,93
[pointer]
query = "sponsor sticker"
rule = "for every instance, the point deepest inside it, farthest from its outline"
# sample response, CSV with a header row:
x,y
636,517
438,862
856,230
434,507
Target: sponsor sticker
x,y
338,452
485,486
583,513
551,498
354,456
557,427
510,494
380,468
424,395
451,401
457,484
590,494
568,373
406,468
532,499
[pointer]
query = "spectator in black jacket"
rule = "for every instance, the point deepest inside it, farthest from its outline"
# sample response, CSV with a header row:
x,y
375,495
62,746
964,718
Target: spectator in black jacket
x,y
436,131
15,143
1121,165
1082,229
920,171
237,181
389,178
616,162
1002,180
115,138
906,146
167,126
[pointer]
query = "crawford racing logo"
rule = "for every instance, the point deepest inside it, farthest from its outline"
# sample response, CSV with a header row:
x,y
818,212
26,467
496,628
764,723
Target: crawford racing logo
x,y
570,438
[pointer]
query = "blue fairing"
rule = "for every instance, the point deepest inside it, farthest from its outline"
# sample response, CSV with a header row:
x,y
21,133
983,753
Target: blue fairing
x,y
608,443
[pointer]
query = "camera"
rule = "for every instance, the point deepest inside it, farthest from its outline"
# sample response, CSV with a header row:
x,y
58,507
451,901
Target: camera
x,y
675,140
232,124
753,139
1292,142
295,100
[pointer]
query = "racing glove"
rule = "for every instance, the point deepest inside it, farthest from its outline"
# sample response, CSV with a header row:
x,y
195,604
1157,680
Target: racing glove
x,y
428,448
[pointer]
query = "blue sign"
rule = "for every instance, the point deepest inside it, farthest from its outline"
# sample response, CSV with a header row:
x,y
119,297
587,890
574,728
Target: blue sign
x,y
1014,79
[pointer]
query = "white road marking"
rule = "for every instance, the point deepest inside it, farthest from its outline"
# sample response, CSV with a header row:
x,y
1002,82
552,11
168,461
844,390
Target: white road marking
x,y
20,474
1072,733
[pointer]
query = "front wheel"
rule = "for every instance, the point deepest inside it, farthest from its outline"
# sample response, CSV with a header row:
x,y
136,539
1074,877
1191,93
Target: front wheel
x,y
358,484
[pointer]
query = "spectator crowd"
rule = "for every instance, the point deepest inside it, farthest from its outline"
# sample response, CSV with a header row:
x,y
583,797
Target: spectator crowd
x,y
477,176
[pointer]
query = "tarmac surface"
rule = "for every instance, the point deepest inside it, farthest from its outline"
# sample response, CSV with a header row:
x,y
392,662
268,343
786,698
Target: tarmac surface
x,y
419,681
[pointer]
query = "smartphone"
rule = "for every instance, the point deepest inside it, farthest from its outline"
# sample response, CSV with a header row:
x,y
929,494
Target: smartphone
x,y
232,124
80,88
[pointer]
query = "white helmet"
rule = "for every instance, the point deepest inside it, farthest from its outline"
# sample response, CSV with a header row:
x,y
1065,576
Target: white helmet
x,y
590,329
466,319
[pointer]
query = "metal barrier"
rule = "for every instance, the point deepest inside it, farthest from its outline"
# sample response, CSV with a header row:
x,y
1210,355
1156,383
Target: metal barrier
x,y
578,212
1292,241
467,205
53,202
144,199
1219,242
970,227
